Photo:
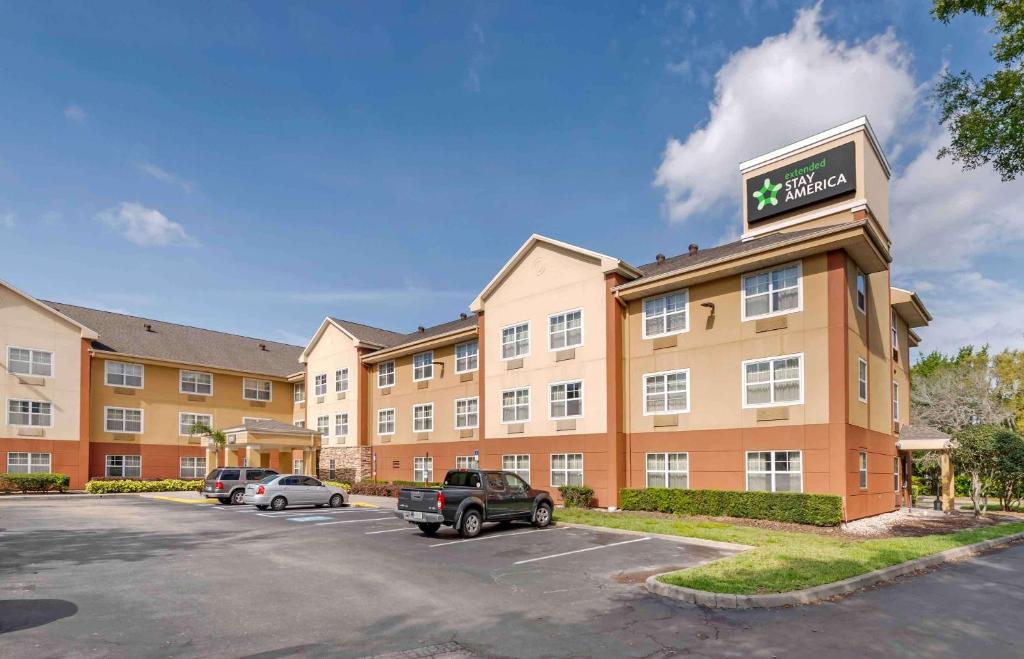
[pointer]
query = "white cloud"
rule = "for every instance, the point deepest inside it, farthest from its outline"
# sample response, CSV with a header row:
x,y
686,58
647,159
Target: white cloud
x,y
785,88
7,220
75,113
165,176
970,308
143,226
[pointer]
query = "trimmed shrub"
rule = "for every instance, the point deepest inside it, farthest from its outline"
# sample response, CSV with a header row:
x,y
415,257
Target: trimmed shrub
x,y
372,489
816,509
40,482
576,496
415,484
345,486
129,486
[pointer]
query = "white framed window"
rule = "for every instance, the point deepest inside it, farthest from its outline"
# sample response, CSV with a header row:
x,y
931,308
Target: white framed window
x,y
423,417
515,341
28,463
466,462
667,392
123,374
668,470
253,389
896,474
122,419
423,366
195,382
774,381
862,292
35,413
123,466
26,361
467,413
565,330
299,392
566,469
191,467
188,419
666,314
467,357
517,464
386,421
862,469
385,374
862,380
515,405
423,470
341,380
893,325
774,471
896,401
323,425
299,423
320,384
772,292
565,400
246,419
341,424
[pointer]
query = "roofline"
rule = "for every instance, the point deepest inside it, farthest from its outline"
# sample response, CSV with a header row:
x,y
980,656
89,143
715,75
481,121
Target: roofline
x,y
86,332
171,362
304,355
916,302
258,431
842,130
397,350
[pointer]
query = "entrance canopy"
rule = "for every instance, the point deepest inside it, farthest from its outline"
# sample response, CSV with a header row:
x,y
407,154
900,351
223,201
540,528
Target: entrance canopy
x,y
270,434
925,438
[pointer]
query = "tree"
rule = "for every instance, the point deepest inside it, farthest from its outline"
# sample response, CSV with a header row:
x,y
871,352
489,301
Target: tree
x,y
1008,468
216,437
953,393
1009,373
974,453
985,117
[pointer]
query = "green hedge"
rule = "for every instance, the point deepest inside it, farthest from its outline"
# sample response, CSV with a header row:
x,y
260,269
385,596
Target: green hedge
x,y
120,486
345,486
816,509
576,496
39,482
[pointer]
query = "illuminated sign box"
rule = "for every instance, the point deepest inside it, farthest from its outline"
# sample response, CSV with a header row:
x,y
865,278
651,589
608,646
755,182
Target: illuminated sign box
x,y
808,181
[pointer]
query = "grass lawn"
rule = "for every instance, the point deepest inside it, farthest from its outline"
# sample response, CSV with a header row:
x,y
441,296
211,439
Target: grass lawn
x,y
995,508
781,561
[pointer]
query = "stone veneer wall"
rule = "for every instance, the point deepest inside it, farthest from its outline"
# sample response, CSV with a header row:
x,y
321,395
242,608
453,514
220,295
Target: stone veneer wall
x,y
351,463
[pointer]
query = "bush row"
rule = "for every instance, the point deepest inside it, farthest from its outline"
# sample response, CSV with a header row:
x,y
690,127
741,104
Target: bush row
x,y
119,486
576,496
345,486
816,509
372,489
40,482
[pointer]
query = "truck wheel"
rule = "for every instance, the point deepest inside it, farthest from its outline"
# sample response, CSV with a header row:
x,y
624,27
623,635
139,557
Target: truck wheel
x,y
542,517
471,523
429,528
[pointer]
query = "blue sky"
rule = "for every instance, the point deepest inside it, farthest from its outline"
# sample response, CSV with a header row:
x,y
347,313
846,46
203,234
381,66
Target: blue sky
x,y
255,167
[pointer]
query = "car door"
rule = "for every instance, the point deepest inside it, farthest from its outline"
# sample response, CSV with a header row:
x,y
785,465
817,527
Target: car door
x,y
315,490
498,504
520,501
291,488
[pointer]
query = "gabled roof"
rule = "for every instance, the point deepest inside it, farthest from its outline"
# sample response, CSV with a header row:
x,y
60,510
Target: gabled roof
x,y
87,333
361,335
145,338
271,426
412,338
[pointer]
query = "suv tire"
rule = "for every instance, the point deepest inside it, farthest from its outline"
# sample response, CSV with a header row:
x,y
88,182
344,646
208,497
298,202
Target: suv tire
x,y
471,523
278,503
542,517
237,497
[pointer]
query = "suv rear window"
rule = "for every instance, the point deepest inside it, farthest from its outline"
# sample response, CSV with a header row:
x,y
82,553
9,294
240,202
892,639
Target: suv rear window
x,y
229,475
254,474
462,479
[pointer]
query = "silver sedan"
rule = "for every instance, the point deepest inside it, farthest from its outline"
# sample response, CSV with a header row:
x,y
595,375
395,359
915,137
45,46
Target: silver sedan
x,y
282,490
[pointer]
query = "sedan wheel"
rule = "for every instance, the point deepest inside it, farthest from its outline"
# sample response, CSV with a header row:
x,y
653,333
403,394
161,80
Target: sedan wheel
x,y
337,500
278,503
237,497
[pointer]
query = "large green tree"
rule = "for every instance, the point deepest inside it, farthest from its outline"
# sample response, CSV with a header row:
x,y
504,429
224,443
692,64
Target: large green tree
x,y
985,117
952,393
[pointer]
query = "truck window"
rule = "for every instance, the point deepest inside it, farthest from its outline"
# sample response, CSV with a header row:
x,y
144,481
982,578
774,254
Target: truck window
x,y
462,479
515,483
495,482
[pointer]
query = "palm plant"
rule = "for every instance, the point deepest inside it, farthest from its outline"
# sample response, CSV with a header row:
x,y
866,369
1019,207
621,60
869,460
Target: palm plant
x,y
216,437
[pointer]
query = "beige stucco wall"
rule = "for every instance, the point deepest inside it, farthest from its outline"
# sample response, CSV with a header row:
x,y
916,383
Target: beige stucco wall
x,y
901,369
548,280
334,350
868,338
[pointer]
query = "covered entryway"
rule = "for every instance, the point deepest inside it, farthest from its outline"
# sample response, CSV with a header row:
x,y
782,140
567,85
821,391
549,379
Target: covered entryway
x,y
266,443
924,438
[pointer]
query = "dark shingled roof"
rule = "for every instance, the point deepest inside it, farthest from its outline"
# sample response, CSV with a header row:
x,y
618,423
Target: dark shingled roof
x,y
437,330
272,426
370,334
184,344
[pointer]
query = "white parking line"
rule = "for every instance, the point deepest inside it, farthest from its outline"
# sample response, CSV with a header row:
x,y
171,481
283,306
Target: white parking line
x,y
390,531
312,511
353,521
579,551
493,536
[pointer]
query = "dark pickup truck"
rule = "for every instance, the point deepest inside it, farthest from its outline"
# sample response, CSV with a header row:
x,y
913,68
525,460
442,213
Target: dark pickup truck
x,y
470,497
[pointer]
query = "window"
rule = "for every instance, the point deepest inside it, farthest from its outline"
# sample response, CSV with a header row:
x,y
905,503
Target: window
x,y
386,422
467,357
341,380
386,374
862,380
467,413
518,465
122,419
122,374
124,466
515,484
423,417
256,389
667,393
515,405
29,413
896,474
665,314
331,472
565,330
28,463
515,341
320,384
566,400
466,462
323,424
668,470
192,468
862,292
341,424
776,381
194,382
771,292
252,419
186,420
299,423
892,329
895,401
299,392
423,470
863,469
566,469
774,471
423,366
30,362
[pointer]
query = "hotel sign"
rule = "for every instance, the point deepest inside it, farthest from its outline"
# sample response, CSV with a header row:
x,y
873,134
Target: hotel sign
x,y
811,180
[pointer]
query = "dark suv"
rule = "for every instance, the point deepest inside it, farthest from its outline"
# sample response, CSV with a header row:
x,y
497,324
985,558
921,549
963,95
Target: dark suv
x,y
227,484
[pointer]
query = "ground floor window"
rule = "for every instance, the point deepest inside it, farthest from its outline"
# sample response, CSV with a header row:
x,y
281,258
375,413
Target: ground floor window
x,y
862,468
518,465
297,466
423,470
331,473
124,466
28,463
896,474
192,467
668,470
566,469
466,462
774,471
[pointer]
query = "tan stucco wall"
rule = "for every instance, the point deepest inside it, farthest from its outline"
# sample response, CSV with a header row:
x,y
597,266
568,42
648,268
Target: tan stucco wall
x,y
901,369
548,280
334,350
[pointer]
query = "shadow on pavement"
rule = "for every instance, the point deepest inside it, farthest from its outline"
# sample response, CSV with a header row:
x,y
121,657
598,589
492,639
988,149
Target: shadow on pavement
x,y
26,614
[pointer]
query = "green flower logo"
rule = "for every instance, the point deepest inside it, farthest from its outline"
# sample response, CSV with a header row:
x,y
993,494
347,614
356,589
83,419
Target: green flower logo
x,y
767,194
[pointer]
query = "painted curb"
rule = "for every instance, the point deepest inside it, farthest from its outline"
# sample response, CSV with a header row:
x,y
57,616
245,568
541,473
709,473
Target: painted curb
x,y
682,539
825,591
180,499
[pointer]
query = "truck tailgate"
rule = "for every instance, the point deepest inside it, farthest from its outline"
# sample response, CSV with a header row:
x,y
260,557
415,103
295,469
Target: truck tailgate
x,y
419,499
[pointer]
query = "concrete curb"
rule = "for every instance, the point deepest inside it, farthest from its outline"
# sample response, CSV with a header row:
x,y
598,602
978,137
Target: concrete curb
x,y
56,496
682,539
825,591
